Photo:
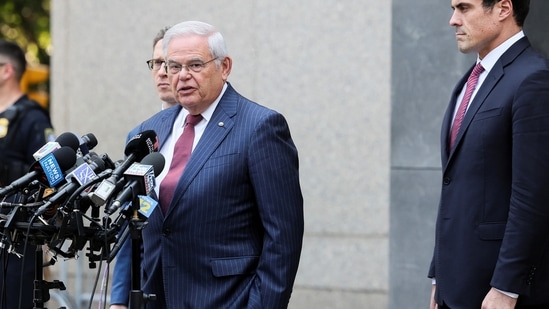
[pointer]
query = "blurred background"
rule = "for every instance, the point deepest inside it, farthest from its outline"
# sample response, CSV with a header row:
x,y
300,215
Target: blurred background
x,y
363,85
28,23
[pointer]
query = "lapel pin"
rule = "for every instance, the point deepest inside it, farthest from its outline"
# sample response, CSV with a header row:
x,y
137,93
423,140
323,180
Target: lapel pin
x,y
221,124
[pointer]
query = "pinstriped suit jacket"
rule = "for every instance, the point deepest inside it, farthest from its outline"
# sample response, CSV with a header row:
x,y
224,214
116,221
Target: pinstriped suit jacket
x,y
233,233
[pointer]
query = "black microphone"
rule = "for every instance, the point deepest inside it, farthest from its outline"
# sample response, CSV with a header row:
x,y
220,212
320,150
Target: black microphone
x,y
137,148
78,177
49,168
87,143
140,179
68,139
81,145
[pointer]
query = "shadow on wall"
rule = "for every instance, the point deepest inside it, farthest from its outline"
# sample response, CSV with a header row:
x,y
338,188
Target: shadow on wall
x,y
537,24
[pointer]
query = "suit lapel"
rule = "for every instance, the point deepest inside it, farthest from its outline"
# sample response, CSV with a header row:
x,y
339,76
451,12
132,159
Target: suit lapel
x,y
489,83
164,128
494,76
448,117
217,129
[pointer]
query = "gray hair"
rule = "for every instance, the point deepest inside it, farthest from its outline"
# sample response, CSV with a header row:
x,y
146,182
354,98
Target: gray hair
x,y
216,43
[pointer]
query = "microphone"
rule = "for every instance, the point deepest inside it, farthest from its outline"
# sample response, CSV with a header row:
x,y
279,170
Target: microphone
x,y
48,148
48,169
83,144
68,139
140,179
87,143
137,148
65,139
49,165
78,177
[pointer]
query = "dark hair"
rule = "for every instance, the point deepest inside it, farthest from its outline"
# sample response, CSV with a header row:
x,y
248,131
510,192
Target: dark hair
x,y
15,55
520,9
160,35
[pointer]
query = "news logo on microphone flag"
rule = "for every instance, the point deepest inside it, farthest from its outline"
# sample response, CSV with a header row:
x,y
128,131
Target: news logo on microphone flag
x,y
51,169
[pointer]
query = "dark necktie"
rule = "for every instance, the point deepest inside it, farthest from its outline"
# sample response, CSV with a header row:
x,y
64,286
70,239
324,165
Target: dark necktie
x,y
471,84
181,153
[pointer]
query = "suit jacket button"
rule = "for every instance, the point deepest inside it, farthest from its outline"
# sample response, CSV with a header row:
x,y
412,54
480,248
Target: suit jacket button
x,y
446,180
166,232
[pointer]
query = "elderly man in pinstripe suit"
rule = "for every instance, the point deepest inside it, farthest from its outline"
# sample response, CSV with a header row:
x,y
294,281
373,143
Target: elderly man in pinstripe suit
x,y
231,235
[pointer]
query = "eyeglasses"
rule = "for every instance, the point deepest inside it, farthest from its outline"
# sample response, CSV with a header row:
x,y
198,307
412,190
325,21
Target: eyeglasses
x,y
155,64
195,66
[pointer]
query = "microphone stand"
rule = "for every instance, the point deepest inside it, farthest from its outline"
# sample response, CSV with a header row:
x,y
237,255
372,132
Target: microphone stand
x,y
138,299
42,287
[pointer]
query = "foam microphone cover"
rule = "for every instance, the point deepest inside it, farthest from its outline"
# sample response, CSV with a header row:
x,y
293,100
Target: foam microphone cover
x,y
156,159
90,140
142,144
68,139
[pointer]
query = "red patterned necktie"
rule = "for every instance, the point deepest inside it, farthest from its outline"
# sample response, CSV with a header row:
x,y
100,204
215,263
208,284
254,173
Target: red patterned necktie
x,y
181,153
471,84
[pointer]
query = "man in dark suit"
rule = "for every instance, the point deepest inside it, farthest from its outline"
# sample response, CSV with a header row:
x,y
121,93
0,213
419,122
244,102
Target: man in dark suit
x,y
231,235
121,284
492,231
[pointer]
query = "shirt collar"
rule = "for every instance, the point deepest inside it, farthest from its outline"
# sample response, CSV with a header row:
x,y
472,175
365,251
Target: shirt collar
x,y
492,57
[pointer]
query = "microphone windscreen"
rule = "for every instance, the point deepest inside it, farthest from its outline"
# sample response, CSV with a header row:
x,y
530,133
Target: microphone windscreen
x,y
156,159
142,144
65,157
68,139
90,140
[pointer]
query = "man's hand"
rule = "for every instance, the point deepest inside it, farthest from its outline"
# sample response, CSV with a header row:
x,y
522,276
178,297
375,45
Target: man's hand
x,y
118,307
497,300
432,304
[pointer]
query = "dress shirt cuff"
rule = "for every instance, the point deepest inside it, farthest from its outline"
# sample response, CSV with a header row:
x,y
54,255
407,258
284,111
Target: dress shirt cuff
x,y
512,295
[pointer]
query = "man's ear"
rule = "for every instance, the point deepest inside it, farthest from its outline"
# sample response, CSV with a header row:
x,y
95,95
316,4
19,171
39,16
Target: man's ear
x,y
6,71
505,8
226,67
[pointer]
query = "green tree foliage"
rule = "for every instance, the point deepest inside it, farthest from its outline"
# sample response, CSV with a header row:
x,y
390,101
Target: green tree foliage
x,y
27,22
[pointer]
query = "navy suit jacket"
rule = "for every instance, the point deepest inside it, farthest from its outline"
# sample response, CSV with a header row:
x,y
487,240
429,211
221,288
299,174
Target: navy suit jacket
x,y
492,228
233,233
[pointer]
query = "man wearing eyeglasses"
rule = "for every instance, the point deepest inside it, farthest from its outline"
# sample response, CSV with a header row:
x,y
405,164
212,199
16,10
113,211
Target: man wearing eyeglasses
x,y
160,78
228,231
121,283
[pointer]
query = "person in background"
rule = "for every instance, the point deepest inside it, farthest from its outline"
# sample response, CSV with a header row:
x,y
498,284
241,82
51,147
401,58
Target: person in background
x,y
24,127
121,284
492,230
228,230
160,78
